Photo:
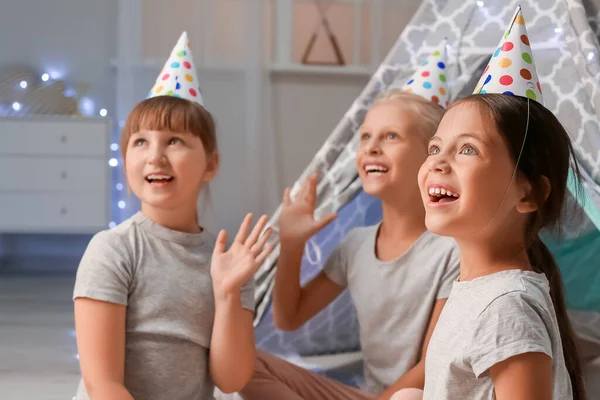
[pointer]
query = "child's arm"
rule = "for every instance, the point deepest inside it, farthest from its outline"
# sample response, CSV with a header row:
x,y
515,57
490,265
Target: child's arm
x,y
523,377
293,305
232,348
100,330
415,377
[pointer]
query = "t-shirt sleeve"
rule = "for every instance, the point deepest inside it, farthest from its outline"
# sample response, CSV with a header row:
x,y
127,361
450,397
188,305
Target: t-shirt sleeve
x,y
451,272
336,267
105,270
511,325
247,295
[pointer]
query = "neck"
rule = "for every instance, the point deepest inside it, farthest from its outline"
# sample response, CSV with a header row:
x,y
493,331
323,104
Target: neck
x,y
485,256
402,221
182,219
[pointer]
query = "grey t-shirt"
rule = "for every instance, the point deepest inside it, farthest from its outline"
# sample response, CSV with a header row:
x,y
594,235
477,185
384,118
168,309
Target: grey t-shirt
x,y
486,321
163,277
393,299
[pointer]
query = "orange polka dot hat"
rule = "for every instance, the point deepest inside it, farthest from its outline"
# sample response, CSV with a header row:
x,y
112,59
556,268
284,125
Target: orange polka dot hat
x,y
431,80
511,69
178,76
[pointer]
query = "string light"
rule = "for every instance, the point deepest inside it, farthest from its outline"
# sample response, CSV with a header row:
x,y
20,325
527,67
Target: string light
x,y
480,3
16,106
122,204
103,112
45,77
557,30
590,56
112,224
114,147
113,162
119,186
23,84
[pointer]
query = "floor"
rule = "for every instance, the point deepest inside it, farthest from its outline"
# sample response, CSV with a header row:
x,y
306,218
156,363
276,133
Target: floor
x,y
38,353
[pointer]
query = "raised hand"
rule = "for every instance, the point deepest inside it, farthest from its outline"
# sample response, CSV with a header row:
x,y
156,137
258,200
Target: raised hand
x,y
297,222
231,269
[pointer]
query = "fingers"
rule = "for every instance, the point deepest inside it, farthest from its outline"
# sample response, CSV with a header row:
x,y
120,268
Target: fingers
x,y
263,255
310,195
244,227
258,228
221,242
257,248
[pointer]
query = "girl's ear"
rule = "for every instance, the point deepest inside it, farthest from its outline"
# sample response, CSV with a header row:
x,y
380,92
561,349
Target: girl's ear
x,y
532,199
212,166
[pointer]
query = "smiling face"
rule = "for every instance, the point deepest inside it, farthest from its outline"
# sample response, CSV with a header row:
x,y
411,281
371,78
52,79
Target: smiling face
x,y
167,170
466,183
170,151
391,151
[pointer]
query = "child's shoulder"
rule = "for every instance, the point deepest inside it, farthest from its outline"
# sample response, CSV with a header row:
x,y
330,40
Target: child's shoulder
x,y
115,237
508,290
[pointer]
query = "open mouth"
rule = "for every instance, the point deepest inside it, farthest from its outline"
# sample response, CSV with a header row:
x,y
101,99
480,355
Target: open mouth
x,y
375,169
439,194
157,179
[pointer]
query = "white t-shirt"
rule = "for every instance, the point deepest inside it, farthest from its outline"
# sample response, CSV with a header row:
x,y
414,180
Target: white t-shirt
x,y
486,321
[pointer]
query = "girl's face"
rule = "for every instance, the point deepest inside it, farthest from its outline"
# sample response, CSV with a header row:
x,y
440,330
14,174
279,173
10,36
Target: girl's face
x,y
391,150
166,170
466,182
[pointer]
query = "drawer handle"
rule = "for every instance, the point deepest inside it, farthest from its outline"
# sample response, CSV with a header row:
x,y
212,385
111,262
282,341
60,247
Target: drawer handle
x,y
63,175
63,210
63,138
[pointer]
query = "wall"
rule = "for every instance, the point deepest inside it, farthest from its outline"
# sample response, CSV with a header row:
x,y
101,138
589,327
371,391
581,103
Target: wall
x,y
62,35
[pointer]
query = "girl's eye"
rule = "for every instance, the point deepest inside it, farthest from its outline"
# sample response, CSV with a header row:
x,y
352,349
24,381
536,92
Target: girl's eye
x,y
365,136
433,150
175,141
139,142
391,135
468,150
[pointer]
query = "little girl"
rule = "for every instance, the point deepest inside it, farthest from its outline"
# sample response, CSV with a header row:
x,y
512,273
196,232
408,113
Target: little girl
x,y
398,273
504,333
162,311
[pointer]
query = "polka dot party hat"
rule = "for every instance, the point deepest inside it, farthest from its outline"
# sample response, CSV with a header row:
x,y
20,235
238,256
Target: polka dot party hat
x,y
178,76
430,80
511,69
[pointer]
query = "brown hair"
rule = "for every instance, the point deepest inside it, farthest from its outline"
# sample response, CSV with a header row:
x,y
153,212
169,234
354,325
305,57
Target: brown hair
x,y
171,114
430,114
547,152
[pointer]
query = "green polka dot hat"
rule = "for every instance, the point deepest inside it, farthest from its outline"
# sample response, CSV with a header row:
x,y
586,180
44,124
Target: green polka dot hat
x,y
430,80
178,76
511,69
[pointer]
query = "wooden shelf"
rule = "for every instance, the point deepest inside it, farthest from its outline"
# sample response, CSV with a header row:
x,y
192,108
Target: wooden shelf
x,y
344,70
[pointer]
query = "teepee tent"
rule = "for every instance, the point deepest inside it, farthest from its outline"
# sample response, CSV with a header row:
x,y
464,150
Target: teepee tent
x,y
564,39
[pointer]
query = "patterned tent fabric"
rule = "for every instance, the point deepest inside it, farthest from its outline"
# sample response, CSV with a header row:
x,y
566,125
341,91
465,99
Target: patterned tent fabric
x,y
564,42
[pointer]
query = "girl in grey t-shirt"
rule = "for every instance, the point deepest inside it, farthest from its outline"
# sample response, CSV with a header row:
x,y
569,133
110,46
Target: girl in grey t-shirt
x,y
504,332
162,310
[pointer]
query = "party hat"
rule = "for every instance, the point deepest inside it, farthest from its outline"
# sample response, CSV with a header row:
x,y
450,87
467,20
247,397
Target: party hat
x,y
178,76
430,80
511,69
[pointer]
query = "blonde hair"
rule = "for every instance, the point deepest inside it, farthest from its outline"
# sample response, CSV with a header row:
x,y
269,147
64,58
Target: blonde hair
x,y
429,114
174,114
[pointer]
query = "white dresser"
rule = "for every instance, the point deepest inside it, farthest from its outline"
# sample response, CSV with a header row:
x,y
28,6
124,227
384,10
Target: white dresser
x,y
54,175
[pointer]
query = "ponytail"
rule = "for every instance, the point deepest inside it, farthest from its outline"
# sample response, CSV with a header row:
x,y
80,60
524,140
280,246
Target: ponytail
x,y
542,261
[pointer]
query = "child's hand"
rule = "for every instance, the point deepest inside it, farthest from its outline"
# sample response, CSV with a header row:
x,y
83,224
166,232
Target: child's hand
x,y
232,269
297,222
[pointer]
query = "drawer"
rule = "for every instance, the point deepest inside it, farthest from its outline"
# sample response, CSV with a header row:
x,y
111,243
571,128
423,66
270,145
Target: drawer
x,y
54,137
53,213
54,174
